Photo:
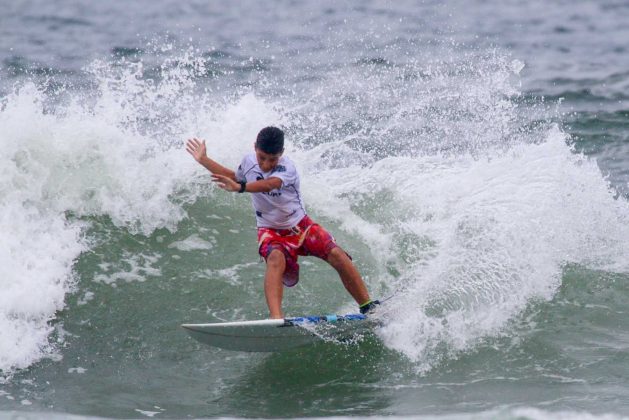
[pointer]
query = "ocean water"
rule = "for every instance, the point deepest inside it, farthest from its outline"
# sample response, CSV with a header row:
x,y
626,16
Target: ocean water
x,y
472,156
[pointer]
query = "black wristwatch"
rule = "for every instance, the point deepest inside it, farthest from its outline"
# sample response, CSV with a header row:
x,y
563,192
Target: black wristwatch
x,y
243,185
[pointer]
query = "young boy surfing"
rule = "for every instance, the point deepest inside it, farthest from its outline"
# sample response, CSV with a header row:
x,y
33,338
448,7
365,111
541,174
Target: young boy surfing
x,y
284,229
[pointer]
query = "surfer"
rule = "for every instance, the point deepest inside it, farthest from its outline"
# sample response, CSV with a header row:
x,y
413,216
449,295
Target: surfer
x,y
284,229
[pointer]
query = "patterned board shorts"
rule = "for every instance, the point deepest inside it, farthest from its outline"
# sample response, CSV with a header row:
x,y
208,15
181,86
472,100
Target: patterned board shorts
x,y
307,238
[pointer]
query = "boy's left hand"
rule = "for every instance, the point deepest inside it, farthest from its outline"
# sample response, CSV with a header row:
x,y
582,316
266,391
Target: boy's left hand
x,y
226,183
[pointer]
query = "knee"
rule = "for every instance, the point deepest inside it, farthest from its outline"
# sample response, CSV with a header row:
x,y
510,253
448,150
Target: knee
x,y
338,257
276,260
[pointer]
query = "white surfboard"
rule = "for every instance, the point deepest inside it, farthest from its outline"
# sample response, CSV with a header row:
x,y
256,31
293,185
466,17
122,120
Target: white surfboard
x,y
267,335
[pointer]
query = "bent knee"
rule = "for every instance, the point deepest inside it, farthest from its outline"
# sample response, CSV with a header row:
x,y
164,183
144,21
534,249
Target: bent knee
x,y
338,256
276,259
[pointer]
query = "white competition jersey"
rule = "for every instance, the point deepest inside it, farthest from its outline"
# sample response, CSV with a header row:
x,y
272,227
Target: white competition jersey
x,y
281,208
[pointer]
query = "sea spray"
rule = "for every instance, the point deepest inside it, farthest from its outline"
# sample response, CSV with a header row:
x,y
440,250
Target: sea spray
x,y
115,151
471,211
433,164
38,245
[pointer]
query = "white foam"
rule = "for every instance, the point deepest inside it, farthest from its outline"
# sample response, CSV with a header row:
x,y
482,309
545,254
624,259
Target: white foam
x,y
116,152
137,267
486,236
192,243
147,413
36,255
472,218
230,274
87,297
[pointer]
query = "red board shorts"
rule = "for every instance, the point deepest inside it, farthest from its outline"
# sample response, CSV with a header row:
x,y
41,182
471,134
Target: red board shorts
x,y
307,238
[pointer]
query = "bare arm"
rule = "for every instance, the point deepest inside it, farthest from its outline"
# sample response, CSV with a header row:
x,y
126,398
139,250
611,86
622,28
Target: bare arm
x,y
263,185
198,151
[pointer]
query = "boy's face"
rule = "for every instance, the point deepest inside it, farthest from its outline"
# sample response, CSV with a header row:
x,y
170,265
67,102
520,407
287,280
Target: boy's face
x,y
267,161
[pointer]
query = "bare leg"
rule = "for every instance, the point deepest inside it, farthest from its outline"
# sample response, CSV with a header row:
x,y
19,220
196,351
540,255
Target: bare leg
x,y
273,286
349,275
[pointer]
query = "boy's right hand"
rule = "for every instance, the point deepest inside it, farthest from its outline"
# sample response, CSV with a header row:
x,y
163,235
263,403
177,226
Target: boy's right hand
x,y
196,148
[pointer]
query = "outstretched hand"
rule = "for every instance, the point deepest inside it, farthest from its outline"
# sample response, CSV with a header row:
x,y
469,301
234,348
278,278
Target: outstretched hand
x,y
196,148
225,183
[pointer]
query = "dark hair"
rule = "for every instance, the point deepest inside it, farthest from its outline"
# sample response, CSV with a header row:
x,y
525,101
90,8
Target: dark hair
x,y
270,140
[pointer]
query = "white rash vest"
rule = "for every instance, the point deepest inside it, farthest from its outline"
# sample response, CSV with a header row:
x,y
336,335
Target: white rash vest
x,y
281,208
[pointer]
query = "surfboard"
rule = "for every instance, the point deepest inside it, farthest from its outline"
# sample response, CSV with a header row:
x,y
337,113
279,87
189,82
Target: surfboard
x,y
269,335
